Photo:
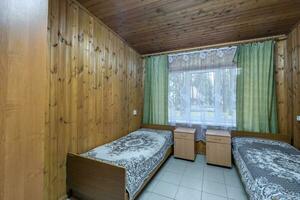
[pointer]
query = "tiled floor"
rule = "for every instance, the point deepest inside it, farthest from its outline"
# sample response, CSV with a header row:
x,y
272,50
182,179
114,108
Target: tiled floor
x,y
185,180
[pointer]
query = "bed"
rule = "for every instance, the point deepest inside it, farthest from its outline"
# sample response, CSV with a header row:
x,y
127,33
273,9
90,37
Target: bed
x,y
118,170
269,169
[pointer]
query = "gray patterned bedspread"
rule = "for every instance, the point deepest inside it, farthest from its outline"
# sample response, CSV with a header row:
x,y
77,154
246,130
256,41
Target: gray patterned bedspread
x,y
139,152
270,170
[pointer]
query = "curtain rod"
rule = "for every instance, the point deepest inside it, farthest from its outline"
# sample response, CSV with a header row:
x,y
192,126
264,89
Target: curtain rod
x,y
278,37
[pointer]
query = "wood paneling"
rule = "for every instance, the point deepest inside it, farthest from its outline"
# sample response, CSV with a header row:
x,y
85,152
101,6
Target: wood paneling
x,y
95,83
294,64
283,78
154,25
23,53
201,147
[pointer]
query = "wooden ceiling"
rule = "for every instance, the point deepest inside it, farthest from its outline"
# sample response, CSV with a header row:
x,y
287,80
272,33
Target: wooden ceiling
x,y
152,26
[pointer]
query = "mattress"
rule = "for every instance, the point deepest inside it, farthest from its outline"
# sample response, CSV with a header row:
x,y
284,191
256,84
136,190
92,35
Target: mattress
x,y
139,152
270,170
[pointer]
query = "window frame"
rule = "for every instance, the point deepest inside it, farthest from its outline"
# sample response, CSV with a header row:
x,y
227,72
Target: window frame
x,y
187,76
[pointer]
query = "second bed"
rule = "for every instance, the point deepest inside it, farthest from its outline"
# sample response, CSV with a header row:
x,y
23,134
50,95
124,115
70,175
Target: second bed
x,y
269,169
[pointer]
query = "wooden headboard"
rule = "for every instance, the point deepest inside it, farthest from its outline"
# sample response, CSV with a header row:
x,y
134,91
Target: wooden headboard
x,y
280,137
160,127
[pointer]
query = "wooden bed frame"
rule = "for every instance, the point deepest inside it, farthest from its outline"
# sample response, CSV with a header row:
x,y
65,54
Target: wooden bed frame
x,y
91,179
159,127
280,137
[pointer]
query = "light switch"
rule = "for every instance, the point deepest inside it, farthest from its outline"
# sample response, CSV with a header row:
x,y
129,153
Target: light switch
x,y
134,112
298,118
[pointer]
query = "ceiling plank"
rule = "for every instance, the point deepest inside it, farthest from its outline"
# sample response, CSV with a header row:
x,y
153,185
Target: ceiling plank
x,y
152,26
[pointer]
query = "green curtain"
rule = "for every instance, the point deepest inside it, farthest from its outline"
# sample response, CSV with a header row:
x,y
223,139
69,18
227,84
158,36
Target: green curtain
x,y
156,90
256,97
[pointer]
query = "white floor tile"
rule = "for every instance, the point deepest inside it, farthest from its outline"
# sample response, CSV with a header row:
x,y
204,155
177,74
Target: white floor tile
x,y
232,178
176,167
165,168
231,172
169,163
207,196
214,188
213,168
236,193
153,196
144,196
184,180
165,189
233,182
171,177
200,158
195,165
194,171
151,185
214,174
187,194
191,182
158,175
181,161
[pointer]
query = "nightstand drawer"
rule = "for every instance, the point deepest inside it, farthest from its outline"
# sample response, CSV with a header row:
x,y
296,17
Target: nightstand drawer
x,y
187,136
184,143
184,149
218,154
218,147
218,139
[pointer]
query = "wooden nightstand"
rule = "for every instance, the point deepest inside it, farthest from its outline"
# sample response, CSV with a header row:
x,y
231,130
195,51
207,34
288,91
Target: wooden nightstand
x,y
184,143
218,147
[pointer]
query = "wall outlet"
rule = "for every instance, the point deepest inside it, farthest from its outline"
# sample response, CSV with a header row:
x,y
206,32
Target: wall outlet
x,y
298,118
134,112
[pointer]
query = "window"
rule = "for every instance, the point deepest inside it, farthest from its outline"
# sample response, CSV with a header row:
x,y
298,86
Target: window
x,y
202,88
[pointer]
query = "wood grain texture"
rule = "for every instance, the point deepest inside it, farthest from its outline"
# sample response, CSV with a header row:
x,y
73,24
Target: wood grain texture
x,y
184,143
154,26
218,147
283,79
294,64
160,127
90,179
201,147
23,77
95,83
279,137
218,154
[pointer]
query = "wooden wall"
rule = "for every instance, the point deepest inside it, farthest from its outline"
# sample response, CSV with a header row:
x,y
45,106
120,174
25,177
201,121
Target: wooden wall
x,y
96,81
294,64
283,78
23,53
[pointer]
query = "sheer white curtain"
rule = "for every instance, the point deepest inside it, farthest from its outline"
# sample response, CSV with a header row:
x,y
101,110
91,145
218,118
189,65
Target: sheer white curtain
x,y
202,88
